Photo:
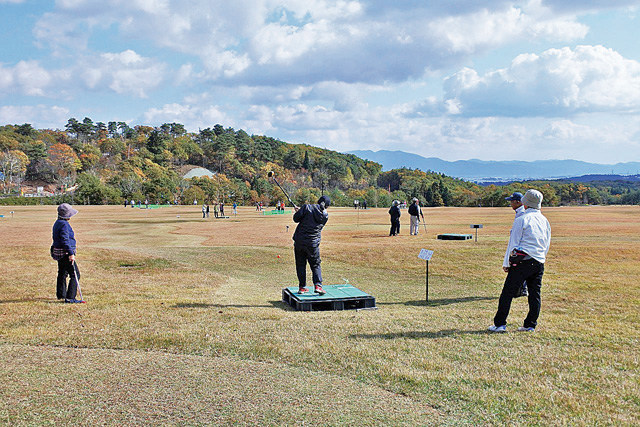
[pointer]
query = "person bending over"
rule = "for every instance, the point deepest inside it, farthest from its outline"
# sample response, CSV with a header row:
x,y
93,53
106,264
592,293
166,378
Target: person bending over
x,y
310,219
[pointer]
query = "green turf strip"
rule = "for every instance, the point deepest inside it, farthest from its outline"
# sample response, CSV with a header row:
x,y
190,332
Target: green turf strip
x,y
332,292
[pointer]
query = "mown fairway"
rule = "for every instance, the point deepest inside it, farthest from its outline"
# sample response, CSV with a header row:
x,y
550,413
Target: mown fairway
x,y
184,324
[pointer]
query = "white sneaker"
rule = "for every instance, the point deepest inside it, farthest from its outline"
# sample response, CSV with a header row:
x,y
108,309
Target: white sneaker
x,y
494,328
525,329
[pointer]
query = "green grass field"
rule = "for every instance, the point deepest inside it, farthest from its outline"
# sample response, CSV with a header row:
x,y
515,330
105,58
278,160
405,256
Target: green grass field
x,y
184,323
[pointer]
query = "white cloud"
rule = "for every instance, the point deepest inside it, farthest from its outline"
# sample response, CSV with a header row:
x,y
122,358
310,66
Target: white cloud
x,y
26,77
225,63
566,131
193,118
125,73
310,42
557,82
40,116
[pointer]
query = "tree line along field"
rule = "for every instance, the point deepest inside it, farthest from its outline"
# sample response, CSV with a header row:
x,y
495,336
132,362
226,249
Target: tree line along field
x,y
184,323
106,163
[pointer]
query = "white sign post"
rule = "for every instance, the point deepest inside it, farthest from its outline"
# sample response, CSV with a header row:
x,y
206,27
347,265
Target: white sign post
x,y
426,255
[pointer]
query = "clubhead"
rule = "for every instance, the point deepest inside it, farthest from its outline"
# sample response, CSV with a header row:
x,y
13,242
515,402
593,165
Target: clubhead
x,y
270,174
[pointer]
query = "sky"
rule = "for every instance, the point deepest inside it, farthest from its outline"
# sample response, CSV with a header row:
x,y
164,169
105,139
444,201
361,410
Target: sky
x,y
456,79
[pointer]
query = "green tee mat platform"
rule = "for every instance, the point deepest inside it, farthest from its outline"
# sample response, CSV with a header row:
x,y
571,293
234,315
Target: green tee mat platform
x,y
154,206
452,236
275,212
338,297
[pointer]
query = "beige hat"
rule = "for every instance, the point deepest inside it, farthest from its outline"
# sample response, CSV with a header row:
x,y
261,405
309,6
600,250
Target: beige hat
x,y
532,199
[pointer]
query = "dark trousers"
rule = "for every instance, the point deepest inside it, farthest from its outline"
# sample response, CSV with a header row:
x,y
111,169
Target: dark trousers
x,y
395,227
66,268
530,271
304,255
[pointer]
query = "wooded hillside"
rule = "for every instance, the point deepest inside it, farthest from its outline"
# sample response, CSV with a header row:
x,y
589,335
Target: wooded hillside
x,y
98,163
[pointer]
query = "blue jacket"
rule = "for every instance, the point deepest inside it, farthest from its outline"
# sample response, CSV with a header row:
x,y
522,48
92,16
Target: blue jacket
x,y
63,236
310,219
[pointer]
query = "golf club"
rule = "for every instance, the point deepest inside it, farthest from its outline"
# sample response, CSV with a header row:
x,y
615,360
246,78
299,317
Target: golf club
x,y
271,175
75,274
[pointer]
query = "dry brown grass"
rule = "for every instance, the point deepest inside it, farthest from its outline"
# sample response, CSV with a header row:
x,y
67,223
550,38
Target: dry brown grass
x,y
184,323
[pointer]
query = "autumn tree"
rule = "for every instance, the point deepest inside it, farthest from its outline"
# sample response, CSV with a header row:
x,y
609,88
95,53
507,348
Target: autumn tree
x,y
13,165
64,163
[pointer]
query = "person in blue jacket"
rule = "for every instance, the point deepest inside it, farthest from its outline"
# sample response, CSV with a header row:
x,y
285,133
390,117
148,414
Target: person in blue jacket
x,y
64,245
310,219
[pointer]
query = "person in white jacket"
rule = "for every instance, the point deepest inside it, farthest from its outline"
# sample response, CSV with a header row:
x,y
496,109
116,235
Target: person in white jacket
x,y
528,247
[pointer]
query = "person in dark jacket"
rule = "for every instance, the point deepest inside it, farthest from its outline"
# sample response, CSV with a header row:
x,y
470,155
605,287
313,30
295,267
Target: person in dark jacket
x,y
64,244
415,213
310,219
394,213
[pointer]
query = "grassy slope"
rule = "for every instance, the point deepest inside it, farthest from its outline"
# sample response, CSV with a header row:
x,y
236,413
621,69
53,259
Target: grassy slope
x,y
184,323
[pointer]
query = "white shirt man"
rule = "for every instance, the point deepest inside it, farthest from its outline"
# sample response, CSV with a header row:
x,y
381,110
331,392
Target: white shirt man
x,y
414,219
530,239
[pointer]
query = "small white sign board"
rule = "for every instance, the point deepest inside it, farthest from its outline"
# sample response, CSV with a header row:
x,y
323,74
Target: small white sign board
x,y
425,254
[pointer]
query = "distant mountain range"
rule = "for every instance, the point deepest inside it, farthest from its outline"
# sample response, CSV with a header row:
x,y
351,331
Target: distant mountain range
x,y
498,171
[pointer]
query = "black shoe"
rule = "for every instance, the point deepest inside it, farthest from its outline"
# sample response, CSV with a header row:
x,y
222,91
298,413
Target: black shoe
x,y
73,301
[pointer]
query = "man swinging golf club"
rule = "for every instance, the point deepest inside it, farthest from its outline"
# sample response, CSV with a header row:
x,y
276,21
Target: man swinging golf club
x,y
311,219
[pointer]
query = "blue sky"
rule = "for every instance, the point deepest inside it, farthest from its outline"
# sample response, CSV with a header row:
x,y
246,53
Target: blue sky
x,y
456,79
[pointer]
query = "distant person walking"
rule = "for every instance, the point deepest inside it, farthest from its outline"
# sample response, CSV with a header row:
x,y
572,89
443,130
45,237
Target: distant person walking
x,y
394,213
204,210
222,209
125,203
207,211
416,213
528,247
215,210
310,219
63,250
235,208
516,204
